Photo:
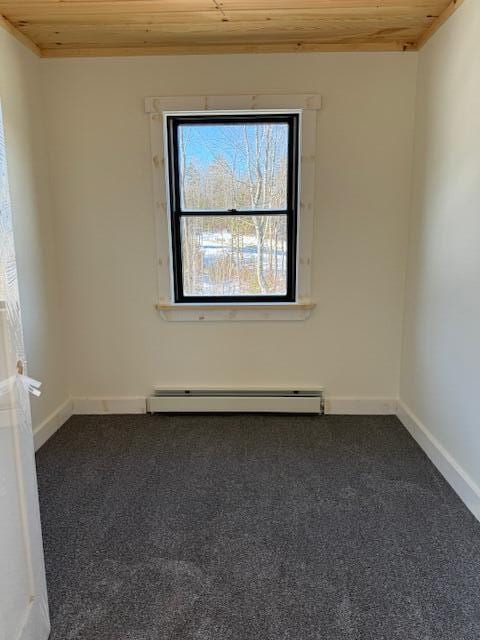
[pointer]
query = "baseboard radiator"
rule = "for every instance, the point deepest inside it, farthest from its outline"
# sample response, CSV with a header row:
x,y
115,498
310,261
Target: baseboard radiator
x,y
236,400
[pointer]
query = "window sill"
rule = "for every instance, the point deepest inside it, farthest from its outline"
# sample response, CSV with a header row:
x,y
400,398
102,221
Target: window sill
x,y
235,312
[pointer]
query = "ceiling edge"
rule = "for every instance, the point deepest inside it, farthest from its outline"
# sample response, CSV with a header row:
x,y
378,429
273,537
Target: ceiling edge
x,y
21,37
437,23
226,49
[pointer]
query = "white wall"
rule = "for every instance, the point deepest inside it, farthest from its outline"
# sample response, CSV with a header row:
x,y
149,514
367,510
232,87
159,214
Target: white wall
x,y
21,97
100,161
440,380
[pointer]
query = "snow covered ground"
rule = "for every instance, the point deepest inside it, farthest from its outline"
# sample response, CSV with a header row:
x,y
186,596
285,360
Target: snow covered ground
x,y
216,246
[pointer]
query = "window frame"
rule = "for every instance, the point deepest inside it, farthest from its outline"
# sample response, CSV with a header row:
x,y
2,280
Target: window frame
x,y
172,123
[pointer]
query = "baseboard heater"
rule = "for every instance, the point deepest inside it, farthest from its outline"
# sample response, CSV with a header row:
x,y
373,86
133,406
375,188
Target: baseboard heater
x,y
236,400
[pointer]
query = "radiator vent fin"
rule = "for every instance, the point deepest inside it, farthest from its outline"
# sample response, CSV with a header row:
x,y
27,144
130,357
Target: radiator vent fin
x,y
236,400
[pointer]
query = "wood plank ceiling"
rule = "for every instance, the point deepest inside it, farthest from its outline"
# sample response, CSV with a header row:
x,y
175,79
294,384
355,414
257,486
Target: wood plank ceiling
x,y
125,27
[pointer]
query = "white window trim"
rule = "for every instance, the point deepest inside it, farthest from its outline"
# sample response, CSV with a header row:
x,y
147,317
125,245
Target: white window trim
x,y
308,105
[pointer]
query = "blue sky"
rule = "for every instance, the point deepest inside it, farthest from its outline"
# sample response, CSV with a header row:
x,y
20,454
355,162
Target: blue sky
x,y
205,142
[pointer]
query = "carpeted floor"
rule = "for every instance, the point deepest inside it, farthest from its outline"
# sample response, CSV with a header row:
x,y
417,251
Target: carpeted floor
x,y
253,528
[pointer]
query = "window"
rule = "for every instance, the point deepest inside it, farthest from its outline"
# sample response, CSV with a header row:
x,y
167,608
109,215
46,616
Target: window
x,y
233,184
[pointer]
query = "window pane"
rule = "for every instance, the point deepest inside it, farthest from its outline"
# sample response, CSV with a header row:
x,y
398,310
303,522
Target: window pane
x,y
233,166
234,255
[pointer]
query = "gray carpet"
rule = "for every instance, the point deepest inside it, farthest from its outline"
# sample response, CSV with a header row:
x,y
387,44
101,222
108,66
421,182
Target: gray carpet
x,y
253,528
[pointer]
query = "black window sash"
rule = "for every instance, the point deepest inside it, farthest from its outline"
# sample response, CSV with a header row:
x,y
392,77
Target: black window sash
x,y
176,212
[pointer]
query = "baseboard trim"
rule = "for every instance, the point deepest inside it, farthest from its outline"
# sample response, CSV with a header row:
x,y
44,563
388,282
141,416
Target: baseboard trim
x,y
137,404
454,474
114,405
51,424
360,406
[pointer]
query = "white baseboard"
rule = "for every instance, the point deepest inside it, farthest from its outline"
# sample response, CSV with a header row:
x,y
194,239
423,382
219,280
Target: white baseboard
x,y
51,424
137,404
454,474
115,405
361,406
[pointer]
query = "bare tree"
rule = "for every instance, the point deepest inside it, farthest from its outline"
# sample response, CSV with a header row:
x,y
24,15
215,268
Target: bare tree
x,y
249,174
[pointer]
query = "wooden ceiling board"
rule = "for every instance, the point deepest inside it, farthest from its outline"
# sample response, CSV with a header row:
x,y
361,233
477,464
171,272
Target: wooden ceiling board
x,y
123,27
56,17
